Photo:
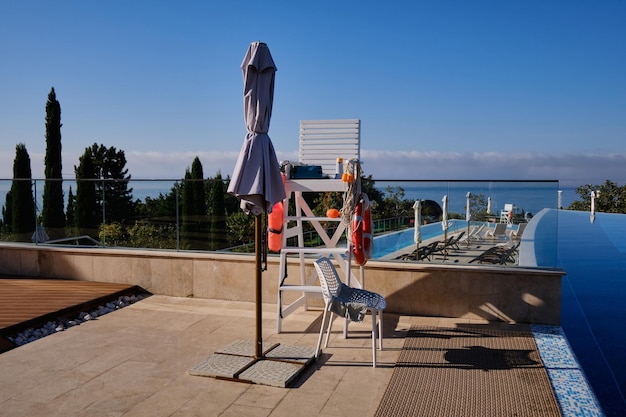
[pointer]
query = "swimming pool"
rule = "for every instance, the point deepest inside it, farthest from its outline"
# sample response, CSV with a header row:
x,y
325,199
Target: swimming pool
x,y
593,314
393,242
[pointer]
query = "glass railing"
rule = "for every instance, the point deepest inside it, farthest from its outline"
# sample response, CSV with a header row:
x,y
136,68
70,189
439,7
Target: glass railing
x,y
508,222
198,215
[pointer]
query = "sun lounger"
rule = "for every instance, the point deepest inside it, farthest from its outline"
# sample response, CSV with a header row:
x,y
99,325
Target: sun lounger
x,y
517,234
497,232
452,242
497,255
474,234
425,252
421,253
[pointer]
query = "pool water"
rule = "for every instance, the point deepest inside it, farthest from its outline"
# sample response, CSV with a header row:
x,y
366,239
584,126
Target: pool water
x,y
393,242
593,314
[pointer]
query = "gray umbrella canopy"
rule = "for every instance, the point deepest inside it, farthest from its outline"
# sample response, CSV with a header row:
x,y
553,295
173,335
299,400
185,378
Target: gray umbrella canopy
x,y
256,179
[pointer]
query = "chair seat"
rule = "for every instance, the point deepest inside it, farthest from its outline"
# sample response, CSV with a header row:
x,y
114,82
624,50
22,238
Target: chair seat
x,y
353,303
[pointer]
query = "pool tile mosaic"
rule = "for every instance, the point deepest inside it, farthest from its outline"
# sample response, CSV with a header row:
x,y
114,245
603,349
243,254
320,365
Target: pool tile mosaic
x,y
573,393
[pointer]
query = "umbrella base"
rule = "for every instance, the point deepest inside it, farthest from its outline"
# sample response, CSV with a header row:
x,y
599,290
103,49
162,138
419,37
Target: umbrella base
x,y
278,367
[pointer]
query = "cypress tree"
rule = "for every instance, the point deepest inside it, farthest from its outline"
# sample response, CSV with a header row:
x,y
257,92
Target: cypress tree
x,y
218,214
187,210
7,213
23,203
69,213
199,195
52,215
195,226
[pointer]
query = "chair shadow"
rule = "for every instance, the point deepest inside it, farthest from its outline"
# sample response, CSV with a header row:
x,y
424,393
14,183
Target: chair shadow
x,y
487,359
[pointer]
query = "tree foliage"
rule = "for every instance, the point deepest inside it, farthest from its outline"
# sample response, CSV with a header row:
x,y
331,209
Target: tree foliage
x,y
611,198
7,213
69,215
113,191
240,228
87,213
394,204
199,204
22,201
217,213
194,207
102,192
52,215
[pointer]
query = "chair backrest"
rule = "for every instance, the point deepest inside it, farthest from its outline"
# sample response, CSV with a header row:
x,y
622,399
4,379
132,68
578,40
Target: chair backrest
x,y
329,278
500,229
508,207
323,141
477,230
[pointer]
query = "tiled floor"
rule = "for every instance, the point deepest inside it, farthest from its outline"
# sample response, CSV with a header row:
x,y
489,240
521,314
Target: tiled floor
x,y
136,362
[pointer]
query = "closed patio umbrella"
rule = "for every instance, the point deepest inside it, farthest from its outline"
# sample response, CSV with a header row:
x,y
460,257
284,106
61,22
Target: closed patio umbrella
x,y
444,215
592,215
417,238
444,223
468,213
258,183
256,179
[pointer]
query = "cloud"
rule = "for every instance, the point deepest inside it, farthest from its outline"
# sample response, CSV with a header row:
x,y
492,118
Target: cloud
x,y
572,169
569,169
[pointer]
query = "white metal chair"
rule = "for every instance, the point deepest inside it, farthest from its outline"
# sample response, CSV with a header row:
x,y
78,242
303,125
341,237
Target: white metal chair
x,y
350,303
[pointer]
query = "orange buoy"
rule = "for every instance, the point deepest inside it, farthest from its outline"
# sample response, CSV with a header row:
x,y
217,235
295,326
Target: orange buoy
x,y
275,222
275,227
333,213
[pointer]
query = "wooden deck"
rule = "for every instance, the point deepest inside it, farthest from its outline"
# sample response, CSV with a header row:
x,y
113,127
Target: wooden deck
x,y
31,302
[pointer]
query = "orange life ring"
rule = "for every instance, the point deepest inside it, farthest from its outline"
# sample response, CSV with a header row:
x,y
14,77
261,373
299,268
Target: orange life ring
x,y
362,231
368,229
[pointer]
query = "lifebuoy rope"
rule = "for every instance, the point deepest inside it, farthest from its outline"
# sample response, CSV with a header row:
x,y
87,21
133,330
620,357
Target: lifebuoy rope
x,y
353,190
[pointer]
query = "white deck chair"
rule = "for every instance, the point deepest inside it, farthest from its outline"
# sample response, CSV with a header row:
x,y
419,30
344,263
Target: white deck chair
x,y
351,303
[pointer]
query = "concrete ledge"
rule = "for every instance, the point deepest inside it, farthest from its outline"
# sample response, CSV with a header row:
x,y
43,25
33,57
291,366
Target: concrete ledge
x,y
511,294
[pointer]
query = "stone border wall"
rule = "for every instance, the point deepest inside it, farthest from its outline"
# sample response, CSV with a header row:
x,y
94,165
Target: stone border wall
x,y
510,294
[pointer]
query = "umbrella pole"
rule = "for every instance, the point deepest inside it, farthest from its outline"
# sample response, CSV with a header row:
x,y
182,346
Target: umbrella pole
x,y
258,226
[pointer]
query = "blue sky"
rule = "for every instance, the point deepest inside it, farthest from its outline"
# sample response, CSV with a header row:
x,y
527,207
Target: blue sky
x,y
444,90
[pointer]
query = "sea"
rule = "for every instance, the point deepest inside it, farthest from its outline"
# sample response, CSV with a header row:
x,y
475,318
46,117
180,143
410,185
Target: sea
x,y
525,196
